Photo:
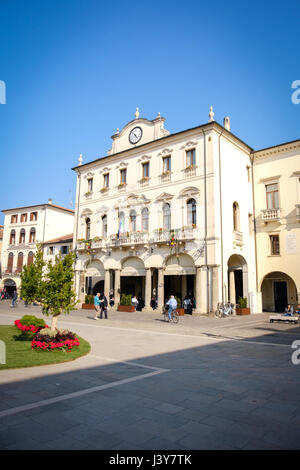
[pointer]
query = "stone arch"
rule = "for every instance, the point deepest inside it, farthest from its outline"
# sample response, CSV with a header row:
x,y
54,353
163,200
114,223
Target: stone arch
x,y
132,266
237,278
278,289
179,264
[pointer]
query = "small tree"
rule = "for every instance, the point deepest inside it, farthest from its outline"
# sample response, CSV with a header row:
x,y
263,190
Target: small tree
x,y
31,278
58,295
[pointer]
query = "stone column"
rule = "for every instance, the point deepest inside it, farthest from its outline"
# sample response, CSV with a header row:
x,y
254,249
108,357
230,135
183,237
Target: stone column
x,y
183,287
107,283
201,290
160,289
117,286
215,288
148,288
232,298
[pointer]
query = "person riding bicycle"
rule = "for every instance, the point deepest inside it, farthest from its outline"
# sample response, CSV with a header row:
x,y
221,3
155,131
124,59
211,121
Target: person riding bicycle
x,y
172,305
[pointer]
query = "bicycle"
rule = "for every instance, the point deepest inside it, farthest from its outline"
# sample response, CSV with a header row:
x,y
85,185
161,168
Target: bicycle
x,y
174,316
224,309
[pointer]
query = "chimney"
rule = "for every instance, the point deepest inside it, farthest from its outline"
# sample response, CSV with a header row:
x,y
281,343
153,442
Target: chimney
x,y
227,122
50,201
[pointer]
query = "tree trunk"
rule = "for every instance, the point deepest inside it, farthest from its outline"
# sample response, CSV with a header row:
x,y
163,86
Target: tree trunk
x,y
54,322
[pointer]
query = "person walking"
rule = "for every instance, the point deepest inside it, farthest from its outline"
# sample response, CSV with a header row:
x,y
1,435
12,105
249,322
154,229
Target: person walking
x,y
134,301
153,303
172,305
97,305
111,300
14,298
103,306
187,305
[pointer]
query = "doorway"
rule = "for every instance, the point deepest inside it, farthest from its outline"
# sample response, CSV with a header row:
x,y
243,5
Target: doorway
x,y
280,295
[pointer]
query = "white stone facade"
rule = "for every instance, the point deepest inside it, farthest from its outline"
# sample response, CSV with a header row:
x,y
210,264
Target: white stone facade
x,y
190,198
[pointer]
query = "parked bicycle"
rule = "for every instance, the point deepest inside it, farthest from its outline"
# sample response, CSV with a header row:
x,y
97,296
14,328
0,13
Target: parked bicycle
x,y
174,316
224,309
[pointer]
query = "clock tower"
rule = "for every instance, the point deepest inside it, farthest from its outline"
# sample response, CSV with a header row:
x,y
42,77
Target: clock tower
x,y
138,132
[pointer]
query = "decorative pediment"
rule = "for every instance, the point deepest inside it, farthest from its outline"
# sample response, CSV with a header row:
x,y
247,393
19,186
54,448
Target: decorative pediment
x,y
164,197
105,170
86,212
89,175
144,158
189,144
101,210
122,165
164,152
189,192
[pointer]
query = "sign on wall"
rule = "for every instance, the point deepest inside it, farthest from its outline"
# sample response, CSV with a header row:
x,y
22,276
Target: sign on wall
x,y
291,244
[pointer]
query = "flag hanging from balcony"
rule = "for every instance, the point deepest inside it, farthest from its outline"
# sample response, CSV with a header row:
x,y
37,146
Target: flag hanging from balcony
x,y
121,228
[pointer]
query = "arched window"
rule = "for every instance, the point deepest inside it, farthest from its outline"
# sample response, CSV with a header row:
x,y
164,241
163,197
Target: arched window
x,y
145,219
12,238
236,216
20,262
191,212
87,228
30,258
132,221
22,236
167,216
104,226
32,235
10,262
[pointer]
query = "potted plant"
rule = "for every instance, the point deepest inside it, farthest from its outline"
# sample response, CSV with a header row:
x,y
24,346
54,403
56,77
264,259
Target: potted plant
x,y
88,303
242,308
125,304
179,308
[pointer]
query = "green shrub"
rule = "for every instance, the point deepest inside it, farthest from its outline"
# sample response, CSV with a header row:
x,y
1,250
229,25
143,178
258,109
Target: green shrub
x,y
242,302
178,300
89,299
125,299
32,320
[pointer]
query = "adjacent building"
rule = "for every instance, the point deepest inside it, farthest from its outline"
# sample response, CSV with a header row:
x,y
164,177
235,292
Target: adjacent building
x,y
24,227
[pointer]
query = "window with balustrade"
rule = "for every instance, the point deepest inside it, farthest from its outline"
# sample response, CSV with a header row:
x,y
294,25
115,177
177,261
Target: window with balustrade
x,y
167,216
166,164
190,158
88,228
132,221
123,176
106,181
145,219
104,226
191,213
272,196
146,170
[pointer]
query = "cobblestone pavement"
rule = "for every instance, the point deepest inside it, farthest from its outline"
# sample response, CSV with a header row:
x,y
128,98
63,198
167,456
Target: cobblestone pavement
x,y
204,383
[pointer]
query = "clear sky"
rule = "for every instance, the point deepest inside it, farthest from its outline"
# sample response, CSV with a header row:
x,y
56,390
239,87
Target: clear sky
x,y
75,70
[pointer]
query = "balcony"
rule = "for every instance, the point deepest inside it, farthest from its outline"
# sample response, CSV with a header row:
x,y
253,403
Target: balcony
x,y
182,234
190,171
270,215
298,211
136,238
144,182
237,238
86,245
165,177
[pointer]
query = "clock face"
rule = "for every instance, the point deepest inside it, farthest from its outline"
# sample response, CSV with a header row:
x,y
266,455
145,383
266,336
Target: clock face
x,y
135,135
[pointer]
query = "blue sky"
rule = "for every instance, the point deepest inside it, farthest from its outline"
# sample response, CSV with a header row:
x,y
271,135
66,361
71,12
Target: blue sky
x,y
75,70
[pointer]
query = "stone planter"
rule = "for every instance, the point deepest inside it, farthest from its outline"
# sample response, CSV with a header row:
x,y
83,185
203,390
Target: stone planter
x,y
242,311
126,308
180,311
87,307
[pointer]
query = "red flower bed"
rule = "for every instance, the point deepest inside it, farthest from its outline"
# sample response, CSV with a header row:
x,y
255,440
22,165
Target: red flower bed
x,y
68,344
29,328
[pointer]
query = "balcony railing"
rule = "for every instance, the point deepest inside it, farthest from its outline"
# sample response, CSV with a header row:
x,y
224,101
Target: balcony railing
x,y
270,215
298,211
165,177
190,171
187,233
90,244
129,239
